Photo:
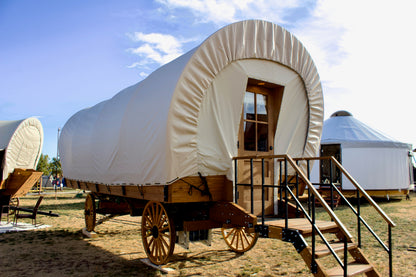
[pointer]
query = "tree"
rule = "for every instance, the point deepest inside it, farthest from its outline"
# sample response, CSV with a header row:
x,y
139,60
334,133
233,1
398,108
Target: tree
x,y
43,165
55,167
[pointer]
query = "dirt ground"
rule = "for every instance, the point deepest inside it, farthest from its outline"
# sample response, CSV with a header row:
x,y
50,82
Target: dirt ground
x,y
61,250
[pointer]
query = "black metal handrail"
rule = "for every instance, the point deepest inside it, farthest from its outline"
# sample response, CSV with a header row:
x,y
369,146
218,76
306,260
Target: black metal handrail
x,y
312,192
315,229
357,212
287,190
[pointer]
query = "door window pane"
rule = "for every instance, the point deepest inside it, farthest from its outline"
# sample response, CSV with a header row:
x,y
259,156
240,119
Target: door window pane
x,y
261,107
250,136
262,137
249,112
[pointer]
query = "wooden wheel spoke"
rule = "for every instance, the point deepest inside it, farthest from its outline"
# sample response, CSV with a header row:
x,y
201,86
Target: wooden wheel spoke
x,y
164,242
239,239
229,233
164,229
148,220
244,235
152,240
158,234
162,246
159,216
162,221
157,250
164,235
152,212
234,236
243,238
153,247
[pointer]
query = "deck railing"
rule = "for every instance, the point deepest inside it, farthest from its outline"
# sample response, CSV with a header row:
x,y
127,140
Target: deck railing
x,y
313,196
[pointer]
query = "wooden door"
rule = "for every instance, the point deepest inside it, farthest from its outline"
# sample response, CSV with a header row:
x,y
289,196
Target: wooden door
x,y
256,137
328,150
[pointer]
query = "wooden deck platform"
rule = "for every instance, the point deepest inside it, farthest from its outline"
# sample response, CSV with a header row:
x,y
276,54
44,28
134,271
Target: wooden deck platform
x,y
303,225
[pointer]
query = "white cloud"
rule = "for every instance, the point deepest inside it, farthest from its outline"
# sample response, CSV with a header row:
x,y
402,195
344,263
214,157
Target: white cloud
x,y
155,48
363,50
226,11
143,74
365,57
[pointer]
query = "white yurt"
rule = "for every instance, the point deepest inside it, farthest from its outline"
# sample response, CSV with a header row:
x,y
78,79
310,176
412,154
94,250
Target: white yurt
x,y
188,116
379,163
20,145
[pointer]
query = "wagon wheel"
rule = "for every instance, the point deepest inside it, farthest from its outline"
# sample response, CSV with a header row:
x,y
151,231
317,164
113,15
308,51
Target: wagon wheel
x,y
158,233
13,204
239,239
90,213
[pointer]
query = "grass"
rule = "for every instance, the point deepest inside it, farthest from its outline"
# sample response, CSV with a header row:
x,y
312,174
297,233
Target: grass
x,y
61,250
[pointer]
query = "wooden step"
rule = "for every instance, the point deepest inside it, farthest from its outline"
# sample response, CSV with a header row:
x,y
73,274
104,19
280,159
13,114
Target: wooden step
x,y
353,269
323,250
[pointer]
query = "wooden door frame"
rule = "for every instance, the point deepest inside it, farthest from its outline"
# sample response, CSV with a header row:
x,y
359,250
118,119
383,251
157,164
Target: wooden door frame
x,y
273,105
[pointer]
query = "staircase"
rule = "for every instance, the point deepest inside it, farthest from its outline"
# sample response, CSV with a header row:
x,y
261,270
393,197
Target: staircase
x,y
327,247
299,229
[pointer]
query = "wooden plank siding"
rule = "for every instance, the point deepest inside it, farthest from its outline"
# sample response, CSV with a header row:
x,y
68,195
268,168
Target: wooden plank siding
x,y
184,190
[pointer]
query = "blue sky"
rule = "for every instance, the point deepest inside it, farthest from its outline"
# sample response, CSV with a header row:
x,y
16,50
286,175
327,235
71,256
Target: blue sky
x,y
57,57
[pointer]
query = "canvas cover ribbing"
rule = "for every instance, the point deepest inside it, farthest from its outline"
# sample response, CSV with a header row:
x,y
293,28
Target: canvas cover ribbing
x,y
184,117
21,141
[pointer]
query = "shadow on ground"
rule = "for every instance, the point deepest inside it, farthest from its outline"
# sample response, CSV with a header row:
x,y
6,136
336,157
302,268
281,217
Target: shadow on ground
x,y
58,253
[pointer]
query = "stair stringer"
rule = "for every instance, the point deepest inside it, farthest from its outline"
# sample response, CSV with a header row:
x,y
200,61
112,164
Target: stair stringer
x,y
359,256
301,246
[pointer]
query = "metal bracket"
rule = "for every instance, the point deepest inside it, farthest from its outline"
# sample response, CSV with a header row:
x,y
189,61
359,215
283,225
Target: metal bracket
x,y
263,230
166,193
314,267
294,237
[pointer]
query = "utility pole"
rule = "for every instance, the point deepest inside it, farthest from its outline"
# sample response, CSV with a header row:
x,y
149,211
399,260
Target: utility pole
x,y
57,145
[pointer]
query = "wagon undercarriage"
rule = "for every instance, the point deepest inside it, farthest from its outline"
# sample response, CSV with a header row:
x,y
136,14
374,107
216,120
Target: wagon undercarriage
x,y
191,207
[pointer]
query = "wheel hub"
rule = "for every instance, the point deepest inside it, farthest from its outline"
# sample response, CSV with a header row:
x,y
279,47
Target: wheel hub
x,y
155,232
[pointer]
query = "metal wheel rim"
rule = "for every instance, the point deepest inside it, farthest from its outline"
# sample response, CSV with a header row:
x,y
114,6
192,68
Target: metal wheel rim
x,y
90,212
239,239
158,234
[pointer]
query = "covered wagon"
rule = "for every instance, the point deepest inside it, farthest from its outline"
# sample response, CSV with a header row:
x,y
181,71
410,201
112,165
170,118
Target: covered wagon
x,y
204,142
20,149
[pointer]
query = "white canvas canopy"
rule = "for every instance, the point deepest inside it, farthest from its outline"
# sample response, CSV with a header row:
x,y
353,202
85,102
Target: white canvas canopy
x,y
184,118
20,144
376,161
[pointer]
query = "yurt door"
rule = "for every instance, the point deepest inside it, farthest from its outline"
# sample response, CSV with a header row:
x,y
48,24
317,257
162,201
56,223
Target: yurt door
x,y
256,137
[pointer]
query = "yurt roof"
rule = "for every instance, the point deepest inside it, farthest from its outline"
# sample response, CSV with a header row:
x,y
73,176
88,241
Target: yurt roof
x,y
184,117
343,128
22,142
